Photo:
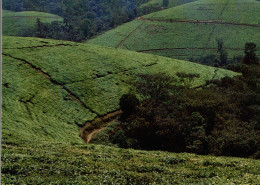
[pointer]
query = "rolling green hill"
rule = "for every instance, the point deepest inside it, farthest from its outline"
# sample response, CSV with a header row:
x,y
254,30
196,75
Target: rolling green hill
x,y
51,88
53,85
18,23
98,76
190,30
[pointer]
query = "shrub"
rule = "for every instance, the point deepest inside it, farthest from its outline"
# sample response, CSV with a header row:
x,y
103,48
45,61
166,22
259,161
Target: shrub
x,y
128,103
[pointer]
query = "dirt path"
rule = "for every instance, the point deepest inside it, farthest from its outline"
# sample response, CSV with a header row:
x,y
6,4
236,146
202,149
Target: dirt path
x,y
162,49
98,125
130,34
215,22
89,136
42,46
214,27
46,75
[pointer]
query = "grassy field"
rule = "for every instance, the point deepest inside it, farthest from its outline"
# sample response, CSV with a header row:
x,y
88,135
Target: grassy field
x,y
17,23
190,30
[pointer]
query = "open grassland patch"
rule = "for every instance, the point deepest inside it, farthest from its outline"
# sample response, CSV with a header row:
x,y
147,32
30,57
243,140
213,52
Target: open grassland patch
x,y
99,164
18,23
99,76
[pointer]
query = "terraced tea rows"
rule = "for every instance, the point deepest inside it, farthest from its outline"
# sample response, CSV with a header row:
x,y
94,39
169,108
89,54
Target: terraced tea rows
x,y
190,30
81,82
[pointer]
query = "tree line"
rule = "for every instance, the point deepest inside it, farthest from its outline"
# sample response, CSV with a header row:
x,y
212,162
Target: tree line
x,y
83,19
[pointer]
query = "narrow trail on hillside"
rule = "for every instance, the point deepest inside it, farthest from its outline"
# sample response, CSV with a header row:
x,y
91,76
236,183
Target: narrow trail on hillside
x,y
214,27
92,127
162,49
43,46
89,136
46,75
214,22
129,35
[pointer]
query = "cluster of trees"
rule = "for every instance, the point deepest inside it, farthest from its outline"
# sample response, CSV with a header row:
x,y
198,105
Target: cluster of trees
x,y
82,18
221,118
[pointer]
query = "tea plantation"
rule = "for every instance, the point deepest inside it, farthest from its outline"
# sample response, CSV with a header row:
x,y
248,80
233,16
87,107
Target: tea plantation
x,y
190,30
52,88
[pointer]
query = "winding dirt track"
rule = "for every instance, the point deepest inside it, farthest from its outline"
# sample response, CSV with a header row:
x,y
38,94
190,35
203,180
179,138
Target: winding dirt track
x,y
92,127
89,136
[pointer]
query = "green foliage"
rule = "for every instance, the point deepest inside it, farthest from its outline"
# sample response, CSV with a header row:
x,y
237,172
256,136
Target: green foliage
x,y
187,78
221,119
82,18
128,103
250,54
155,86
165,3
120,139
99,164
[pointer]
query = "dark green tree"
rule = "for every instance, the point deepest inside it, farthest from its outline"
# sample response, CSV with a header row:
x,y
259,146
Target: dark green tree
x,y
250,55
128,103
165,3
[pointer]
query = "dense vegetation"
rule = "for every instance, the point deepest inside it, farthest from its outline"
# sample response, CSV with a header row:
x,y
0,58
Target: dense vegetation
x,y
82,19
191,31
222,119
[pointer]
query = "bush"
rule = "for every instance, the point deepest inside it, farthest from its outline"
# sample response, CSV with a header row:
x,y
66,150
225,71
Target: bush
x,y
128,103
120,139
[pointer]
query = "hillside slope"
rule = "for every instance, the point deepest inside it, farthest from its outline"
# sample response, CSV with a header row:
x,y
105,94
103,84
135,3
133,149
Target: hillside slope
x,y
98,76
190,30
18,23
51,88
